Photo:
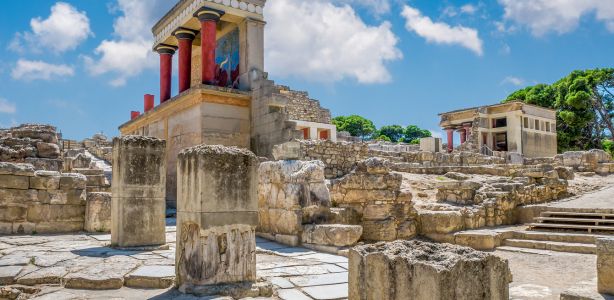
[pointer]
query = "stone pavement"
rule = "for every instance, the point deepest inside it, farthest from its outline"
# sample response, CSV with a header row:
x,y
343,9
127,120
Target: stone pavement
x,y
68,266
601,199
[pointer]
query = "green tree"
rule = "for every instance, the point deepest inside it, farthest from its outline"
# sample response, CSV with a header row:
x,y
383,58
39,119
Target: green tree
x,y
608,146
584,104
393,132
355,125
383,138
413,134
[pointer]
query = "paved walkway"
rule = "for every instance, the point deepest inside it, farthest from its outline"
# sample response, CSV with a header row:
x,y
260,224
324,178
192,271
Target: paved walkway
x,y
602,199
77,262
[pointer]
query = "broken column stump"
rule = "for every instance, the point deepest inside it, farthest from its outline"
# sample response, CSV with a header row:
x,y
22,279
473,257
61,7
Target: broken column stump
x,y
217,214
422,270
139,192
605,265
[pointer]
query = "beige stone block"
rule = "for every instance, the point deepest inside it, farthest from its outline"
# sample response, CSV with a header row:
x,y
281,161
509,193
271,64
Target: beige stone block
x,y
7,168
605,265
71,181
338,235
53,213
440,221
59,226
6,227
98,212
285,221
13,196
290,240
377,211
24,228
45,180
379,230
14,182
13,213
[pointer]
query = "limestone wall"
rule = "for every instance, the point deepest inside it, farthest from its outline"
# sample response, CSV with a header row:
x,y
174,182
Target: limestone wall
x,y
301,107
40,201
371,196
34,144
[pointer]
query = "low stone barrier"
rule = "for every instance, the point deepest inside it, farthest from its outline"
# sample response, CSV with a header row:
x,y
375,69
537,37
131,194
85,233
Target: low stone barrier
x,y
98,212
422,270
40,201
605,265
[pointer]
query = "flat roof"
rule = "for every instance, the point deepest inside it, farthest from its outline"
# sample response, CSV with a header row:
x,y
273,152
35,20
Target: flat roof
x,y
495,105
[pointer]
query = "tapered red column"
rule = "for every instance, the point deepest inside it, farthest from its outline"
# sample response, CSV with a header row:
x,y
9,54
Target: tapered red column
x,y
450,139
166,68
185,37
463,135
208,30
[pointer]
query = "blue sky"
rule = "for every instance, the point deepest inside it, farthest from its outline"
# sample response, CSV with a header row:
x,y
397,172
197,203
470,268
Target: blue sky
x,y
83,65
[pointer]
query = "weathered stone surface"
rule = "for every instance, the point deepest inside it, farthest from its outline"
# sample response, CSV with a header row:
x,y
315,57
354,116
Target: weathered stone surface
x,y
605,265
48,164
14,182
51,275
103,276
139,191
422,270
45,180
216,217
22,197
8,274
7,168
71,181
48,150
98,212
338,235
152,277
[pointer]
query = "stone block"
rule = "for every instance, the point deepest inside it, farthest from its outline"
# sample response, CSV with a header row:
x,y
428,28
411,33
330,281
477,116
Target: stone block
x,y
48,150
440,221
338,235
379,230
422,270
98,212
217,214
96,180
151,277
45,180
138,203
605,265
287,151
7,168
55,213
70,181
48,164
59,226
12,213
12,196
14,182
285,221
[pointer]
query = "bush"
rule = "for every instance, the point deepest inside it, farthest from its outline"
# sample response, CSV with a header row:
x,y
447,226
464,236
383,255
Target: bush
x,y
608,146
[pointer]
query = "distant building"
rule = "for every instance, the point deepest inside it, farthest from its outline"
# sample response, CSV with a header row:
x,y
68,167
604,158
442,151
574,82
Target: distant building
x,y
508,127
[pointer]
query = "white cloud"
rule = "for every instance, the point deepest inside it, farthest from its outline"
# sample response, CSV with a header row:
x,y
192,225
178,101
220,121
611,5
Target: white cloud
x,y
7,107
560,16
436,133
513,81
321,41
130,53
377,7
441,33
469,9
63,30
33,70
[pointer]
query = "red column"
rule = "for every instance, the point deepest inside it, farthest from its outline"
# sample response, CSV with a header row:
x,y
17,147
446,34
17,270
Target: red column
x,y
166,68
208,29
463,135
134,114
148,102
185,38
468,128
450,139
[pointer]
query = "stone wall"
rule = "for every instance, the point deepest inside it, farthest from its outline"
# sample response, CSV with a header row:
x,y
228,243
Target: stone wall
x,y
301,107
34,144
595,160
40,201
421,270
394,147
371,196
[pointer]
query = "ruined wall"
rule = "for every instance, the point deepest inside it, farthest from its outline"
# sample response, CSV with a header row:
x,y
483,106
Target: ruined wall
x,y
595,160
371,196
34,144
301,107
40,201
537,144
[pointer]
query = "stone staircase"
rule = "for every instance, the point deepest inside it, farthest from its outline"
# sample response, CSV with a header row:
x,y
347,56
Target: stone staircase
x,y
565,231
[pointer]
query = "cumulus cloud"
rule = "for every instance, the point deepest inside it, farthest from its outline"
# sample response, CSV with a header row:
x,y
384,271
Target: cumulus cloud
x,y
377,7
39,70
129,53
469,9
559,16
441,33
7,107
63,30
513,81
322,41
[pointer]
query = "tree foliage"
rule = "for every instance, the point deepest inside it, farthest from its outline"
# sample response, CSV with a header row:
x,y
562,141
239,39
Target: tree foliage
x,y
393,132
584,104
413,134
410,134
355,125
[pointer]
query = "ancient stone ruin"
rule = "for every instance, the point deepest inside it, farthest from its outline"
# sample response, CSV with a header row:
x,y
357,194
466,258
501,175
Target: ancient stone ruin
x,y
421,270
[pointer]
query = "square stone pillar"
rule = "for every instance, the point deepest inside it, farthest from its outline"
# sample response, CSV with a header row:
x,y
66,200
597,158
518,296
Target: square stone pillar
x,y
138,205
605,265
217,214
251,44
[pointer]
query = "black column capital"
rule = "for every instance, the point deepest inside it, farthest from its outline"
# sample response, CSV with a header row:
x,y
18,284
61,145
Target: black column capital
x,y
183,33
208,14
165,49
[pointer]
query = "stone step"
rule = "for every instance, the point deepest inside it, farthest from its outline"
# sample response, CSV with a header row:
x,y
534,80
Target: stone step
x,y
552,246
573,213
548,236
589,228
575,220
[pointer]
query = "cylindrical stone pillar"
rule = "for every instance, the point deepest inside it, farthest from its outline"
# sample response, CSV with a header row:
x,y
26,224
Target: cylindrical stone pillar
x,y
217,215
134,114
138,203
166,68
185,37
463,136
208,41
148,102
450,139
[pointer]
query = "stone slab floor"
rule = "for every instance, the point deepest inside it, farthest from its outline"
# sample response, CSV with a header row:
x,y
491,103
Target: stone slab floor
x,y
82,261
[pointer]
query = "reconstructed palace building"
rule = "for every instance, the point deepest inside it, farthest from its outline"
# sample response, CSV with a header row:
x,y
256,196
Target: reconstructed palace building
x,y
225,97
